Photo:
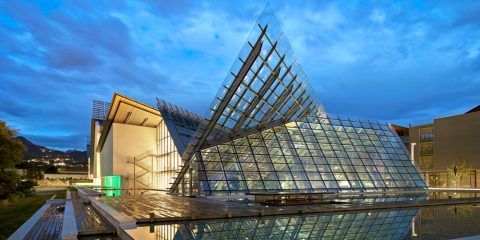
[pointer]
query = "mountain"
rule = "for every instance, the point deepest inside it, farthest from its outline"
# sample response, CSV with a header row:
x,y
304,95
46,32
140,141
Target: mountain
x,y
42,153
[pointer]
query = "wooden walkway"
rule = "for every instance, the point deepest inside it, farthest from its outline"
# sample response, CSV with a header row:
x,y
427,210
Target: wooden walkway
x,y
167,208
89,222
49,226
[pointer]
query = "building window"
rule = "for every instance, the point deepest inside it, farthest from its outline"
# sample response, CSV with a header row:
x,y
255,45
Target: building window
x,y
426,134
426,149
426,162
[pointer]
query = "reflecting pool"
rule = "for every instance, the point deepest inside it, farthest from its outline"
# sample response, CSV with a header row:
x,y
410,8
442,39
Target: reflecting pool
x,y
443,222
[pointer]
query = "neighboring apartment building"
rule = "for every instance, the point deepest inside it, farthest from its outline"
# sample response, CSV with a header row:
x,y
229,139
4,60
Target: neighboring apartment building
x,y
447,151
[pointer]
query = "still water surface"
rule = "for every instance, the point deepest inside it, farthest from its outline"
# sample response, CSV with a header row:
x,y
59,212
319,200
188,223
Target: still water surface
x,y
443,222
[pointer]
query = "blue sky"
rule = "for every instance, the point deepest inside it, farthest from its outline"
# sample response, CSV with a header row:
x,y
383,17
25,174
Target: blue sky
x,y
393,61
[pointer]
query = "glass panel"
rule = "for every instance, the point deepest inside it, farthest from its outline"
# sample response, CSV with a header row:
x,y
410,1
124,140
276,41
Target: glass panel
x,y
353,162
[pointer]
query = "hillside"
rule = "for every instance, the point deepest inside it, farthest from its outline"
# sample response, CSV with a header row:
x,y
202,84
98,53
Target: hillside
x,y
38,152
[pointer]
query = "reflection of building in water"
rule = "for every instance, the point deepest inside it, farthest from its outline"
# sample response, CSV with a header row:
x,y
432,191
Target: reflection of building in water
x,y
164,232
427,221
447,222
360,225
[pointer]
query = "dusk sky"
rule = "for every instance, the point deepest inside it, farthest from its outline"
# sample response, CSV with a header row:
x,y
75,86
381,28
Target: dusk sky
x,y
397,62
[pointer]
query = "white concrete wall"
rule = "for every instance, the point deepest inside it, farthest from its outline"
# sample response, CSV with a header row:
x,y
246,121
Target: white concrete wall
x,y
106,156
123,143
131,141
96,155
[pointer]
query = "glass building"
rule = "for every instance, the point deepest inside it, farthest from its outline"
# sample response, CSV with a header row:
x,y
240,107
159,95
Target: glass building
x,y
265,131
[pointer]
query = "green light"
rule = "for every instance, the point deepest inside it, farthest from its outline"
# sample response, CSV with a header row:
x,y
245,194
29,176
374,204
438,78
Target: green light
x,y
112,193
113,182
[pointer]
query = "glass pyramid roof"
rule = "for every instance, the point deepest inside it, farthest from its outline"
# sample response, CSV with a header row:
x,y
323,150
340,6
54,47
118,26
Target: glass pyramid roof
x,y
265,86
316,154
266,131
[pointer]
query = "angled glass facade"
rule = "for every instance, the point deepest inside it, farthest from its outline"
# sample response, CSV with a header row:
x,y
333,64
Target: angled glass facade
x,y
181,123
316,154
266,131
272,87
265,86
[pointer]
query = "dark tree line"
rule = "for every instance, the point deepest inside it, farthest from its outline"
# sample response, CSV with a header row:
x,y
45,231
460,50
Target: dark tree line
x,y
11,153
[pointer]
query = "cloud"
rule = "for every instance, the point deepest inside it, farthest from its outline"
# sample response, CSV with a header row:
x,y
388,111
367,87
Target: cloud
x,y
402,62
327,19
378,16
71,57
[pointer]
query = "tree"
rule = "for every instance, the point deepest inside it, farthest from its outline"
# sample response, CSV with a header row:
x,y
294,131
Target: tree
x,y
8,182
460,168
50,169
11,149
11,152
26,187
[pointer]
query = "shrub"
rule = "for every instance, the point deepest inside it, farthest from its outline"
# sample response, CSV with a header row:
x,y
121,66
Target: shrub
x,y
26,187
8,180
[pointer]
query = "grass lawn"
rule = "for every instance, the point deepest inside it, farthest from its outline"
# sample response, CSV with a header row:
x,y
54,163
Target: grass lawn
x,y
13,215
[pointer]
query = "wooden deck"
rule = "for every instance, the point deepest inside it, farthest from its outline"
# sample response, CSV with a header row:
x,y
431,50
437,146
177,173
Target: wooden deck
x,y
89,222
166,208
48,227
139,207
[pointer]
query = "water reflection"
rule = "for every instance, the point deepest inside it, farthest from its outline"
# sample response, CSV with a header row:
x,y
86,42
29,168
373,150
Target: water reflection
x,y
447,222
443,222
363,225
360,225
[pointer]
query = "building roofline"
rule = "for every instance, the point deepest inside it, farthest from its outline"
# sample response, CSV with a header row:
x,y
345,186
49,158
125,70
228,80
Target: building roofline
x,y
458,115
396,125
475,109
422,125
117,99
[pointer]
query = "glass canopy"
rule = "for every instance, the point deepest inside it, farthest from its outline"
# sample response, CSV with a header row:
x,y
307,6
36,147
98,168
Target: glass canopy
x,y
316,154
